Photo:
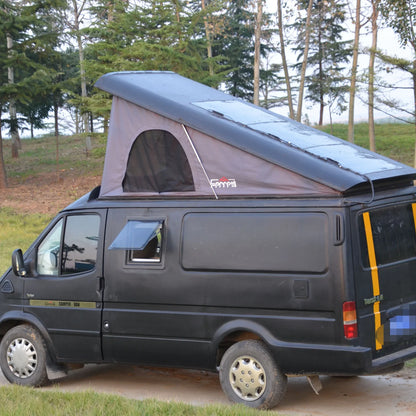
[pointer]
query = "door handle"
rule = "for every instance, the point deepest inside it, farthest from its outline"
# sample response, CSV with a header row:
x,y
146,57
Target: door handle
x,y
100,285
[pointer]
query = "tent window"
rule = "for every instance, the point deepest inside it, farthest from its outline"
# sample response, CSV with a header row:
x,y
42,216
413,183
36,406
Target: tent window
x,y
141,239
157,163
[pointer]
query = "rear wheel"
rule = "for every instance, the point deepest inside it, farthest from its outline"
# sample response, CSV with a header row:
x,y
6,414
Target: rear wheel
x,y
249,375
23,356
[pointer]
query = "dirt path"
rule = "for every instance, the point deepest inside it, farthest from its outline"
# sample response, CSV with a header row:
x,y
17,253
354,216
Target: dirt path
x,y
389,395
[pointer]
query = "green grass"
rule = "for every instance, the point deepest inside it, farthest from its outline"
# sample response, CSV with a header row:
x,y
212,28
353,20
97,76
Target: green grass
x,y
18,231
21,401
396,141
411,363
38,156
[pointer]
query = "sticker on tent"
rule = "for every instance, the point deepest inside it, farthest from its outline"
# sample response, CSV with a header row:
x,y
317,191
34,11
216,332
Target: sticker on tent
x,y
223,183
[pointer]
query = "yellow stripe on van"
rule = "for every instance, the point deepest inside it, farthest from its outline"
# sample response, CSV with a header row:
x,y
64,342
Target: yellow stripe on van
x,y
379,335
414,214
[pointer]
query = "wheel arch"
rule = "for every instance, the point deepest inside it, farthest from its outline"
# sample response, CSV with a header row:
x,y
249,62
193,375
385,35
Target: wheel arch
x,y
235,331
15,318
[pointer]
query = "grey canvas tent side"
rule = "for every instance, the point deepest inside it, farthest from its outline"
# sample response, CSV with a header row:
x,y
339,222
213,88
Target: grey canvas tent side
x,y
172,137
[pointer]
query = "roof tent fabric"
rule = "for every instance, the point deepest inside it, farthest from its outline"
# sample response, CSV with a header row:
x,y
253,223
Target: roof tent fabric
x,y
157,163
196,165
127,123
266,154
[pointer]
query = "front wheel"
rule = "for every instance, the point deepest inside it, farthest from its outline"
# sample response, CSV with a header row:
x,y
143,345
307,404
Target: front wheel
x,y
249,375
23,356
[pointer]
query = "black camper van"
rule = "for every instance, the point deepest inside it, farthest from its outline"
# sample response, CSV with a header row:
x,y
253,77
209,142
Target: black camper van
x,y
223,237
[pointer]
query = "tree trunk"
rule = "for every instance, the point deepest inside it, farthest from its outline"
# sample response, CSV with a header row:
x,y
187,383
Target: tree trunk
x,y
305,60
354,73
284,61
55,113
209,43
14,130
414,98
3,177
257,40
374,28
321,79
83,77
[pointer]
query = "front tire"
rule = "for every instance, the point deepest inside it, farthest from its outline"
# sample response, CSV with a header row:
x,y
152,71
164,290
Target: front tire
x,y
23,356
249,375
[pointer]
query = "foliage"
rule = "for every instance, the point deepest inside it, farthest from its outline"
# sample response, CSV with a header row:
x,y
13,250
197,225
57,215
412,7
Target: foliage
x,y
328,53
400,15
152,35
31,26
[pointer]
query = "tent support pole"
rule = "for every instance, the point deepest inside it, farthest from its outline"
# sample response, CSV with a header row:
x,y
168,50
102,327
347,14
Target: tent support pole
x,y
199,159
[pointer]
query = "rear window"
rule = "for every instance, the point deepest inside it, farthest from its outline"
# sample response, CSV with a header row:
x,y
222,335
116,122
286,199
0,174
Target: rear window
x,y
394,236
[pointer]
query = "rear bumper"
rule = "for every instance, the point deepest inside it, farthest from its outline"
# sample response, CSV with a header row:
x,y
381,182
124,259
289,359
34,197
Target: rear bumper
x,y
335,360
390,360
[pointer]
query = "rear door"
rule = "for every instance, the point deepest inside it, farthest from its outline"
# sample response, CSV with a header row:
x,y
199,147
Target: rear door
x,y
385,276
64,290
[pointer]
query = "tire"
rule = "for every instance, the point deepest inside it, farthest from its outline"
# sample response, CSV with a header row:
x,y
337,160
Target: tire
x,y
249,375
23,356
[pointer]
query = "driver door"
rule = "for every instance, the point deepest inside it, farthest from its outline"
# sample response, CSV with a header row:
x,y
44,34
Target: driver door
x,y
64,288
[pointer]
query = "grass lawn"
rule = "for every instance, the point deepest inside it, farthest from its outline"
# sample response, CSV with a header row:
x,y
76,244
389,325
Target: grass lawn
x,y
22,401
393,140
18,231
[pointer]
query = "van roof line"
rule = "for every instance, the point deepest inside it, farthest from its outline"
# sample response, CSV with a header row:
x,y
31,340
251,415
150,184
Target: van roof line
x,y
311,153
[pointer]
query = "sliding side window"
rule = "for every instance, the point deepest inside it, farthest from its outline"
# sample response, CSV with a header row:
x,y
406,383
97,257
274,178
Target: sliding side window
x,y
142,241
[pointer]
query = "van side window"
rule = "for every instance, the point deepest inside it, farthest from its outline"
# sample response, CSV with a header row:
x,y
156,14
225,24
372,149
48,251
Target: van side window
x,y
70,247
142,241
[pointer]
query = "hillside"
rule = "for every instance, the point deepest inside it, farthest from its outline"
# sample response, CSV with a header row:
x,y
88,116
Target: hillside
x,y
38,182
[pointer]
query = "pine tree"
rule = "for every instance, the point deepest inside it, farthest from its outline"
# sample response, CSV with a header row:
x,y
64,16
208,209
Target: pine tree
x,y
236,43
328,53
31,35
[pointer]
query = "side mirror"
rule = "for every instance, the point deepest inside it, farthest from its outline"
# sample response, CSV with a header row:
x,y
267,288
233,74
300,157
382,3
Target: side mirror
x,y
18,264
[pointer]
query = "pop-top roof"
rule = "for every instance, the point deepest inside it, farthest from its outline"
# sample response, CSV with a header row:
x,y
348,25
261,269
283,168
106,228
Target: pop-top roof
x,y
313,154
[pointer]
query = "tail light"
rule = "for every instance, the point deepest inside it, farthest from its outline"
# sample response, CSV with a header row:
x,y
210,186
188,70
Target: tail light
x,y
349,313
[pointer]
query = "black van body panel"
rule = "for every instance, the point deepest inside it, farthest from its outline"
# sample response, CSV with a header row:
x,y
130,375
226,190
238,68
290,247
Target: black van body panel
x,y
180,310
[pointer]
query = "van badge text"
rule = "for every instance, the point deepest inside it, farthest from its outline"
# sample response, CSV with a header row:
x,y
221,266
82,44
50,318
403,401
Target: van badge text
x,y
373,300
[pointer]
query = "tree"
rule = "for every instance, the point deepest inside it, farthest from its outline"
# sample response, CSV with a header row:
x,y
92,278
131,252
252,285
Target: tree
x,y
28,27
78,7
371,74
353,82
236,44
3,176
400,15
327,56
284,60
305,60
257,43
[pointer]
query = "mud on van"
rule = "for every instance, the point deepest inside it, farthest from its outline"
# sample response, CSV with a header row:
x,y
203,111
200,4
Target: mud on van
x,y
223,237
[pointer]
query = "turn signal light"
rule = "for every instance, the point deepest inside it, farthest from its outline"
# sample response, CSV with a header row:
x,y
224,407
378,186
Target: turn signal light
x,y
349,313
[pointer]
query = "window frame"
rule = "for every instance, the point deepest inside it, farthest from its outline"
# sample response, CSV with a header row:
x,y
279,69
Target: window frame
x,y
64,218
362,241
148,263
